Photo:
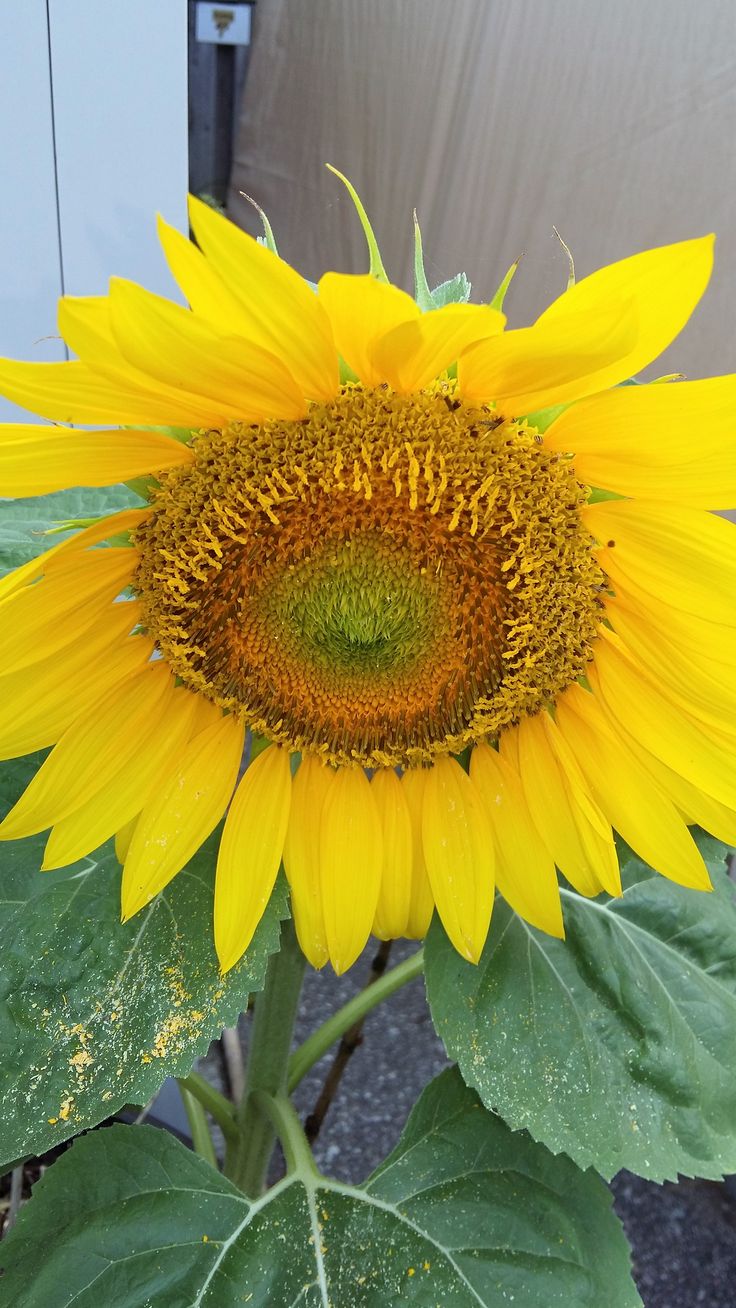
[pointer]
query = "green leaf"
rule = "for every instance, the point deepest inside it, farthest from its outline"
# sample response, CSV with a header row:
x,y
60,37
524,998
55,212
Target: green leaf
x,y
464,1214
23,522
95,1014
455,291
616,1045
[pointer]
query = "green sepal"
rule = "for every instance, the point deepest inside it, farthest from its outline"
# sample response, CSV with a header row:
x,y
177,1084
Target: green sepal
x,y
268,239
500,296
376,268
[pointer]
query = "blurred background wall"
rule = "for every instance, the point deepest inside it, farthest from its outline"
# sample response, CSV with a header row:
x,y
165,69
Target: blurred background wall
x,y
616,122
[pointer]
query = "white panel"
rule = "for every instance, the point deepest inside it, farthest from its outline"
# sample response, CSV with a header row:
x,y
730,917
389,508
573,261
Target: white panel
x,y
120,104
30,278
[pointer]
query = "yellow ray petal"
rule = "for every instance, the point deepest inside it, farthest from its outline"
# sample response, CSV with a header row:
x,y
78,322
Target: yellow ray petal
x,y
410,356
91,753
627,793
706,689
38,620
250,852
36,460
123,838
695,807
711,643
351,858
75,392
362,311
182,814
525,873
458,848
634,699
562,808
421,902
286,318
122,798
549,363
675,443
301,857
684,556
664,285
202,288
394,900
39,703
110,525
238,377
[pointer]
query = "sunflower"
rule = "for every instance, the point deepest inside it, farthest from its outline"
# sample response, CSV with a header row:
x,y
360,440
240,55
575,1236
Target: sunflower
x,y
369,565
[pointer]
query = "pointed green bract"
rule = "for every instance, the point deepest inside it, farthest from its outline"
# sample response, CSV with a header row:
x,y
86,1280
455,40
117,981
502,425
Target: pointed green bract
x,y
422,293
464,1213
500,296
376,268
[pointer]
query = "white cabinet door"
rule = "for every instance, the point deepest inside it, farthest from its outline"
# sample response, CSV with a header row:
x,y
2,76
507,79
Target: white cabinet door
x,y
93,142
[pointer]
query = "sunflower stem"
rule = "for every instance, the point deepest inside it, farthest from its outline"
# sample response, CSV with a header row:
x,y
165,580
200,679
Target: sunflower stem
x,y
213,1102
354,1011
247,1159
201,1138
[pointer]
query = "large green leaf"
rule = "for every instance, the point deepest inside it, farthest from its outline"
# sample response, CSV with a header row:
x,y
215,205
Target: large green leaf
x,y
464,1213
95,1014
616,1045
24,522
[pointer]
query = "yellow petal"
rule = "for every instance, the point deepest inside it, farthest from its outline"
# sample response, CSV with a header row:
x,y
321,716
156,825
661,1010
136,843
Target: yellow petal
x,y
75,392
458,848
286,318
394,900
180,816
525,873
38,620
39,703
207,294
301,857
706,689
239,378
122,798
362,311
107,526
410,356
36,460
123,838
110,525
661,442
549,363
627,793
634,699
91,752
572,827
683,556
695,807
421,903
250,852
664,286
351,858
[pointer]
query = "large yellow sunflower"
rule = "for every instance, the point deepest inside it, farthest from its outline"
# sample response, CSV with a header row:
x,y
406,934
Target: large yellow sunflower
x,y
452,668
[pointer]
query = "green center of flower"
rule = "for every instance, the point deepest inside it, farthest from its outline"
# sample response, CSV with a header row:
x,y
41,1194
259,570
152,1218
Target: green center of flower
x,y
391,578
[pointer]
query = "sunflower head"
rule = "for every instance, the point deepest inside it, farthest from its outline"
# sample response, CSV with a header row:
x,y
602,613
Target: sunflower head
x,y
361,547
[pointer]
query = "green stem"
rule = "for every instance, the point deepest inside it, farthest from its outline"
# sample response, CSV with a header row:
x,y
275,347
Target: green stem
x,y
201,1138
247,1159
356,1008
285,1121
213,1102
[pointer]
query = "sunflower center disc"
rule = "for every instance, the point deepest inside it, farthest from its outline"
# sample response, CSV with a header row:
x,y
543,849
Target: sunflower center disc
x,y
391,578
